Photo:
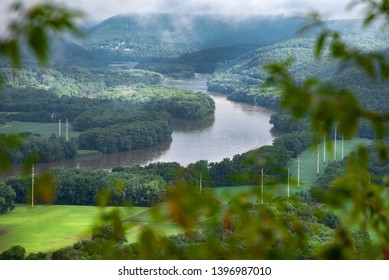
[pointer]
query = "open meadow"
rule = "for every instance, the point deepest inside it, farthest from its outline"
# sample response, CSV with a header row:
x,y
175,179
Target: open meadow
x,y
48,228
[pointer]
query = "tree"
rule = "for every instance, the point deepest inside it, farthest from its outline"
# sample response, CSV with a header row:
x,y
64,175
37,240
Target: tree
x,y
7,198
14,253
36,256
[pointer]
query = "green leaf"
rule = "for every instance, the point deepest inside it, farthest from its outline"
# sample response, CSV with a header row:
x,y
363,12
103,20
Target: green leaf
x,y
320,42
38,42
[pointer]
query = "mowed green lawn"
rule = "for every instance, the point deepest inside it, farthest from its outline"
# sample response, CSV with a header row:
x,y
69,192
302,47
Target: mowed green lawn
x,y
47,228
44,129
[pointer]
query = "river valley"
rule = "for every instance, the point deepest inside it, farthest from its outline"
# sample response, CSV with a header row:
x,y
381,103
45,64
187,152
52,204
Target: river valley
x,y
236,128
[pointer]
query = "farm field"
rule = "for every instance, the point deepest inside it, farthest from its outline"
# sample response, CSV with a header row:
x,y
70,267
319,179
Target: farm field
x,y
48,228
44,129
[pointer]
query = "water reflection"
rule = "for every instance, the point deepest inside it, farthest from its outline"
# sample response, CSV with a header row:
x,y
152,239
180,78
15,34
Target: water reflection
x,y
189,126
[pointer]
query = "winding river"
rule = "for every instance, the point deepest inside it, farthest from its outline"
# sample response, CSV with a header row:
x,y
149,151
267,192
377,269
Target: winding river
x,y
237,128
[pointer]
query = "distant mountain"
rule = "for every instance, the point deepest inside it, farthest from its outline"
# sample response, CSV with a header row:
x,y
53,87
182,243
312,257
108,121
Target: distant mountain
x,y
300,49
141,36
241,78
65,52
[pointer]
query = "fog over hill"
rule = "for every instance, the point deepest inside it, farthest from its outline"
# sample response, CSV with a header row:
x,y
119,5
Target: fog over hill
x,y
171,35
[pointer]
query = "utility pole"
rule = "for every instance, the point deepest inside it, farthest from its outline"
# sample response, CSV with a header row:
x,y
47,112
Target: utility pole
x,y
59,128
32,185
298,171
67,129
369,212
342,147
324,150
262,186
335,144
318,160
201,183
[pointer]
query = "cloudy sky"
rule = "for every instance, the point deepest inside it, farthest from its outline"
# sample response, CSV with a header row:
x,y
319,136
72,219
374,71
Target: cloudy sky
x,y
97,10
102,9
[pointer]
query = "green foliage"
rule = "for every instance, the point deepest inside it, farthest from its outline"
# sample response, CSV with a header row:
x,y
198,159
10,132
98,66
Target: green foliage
x,y
43,149
326,105
74,80
140,119
32,26
7,198
14,253
180,103
179,71
7,144
36,256
125,137
240,78
242,229
19,253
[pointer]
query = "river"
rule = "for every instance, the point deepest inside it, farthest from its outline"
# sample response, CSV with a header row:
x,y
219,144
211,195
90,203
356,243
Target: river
x,y
236,128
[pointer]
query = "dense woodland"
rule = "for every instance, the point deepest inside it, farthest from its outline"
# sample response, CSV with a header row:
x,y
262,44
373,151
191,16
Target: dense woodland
x,y
243,78
141,119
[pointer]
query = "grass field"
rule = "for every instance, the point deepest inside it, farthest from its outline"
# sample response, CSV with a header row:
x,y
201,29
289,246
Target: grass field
x,y
44,129
47,228
308,173
308,160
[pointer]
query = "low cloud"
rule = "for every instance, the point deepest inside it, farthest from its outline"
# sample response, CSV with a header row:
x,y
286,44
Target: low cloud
x,y
102,9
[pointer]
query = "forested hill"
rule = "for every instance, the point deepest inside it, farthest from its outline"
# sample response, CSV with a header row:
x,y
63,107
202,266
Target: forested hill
x,y
171,35
241,79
